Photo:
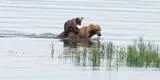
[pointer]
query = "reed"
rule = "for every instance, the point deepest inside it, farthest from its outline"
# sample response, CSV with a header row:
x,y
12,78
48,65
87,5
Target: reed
x,y
142,54
138,54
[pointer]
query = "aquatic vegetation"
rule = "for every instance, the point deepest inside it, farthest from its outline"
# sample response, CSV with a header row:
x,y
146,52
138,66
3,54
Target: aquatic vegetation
x,y
138,54
143,54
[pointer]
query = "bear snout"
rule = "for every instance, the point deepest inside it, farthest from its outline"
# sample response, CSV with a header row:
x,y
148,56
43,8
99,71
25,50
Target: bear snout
x,y
99,33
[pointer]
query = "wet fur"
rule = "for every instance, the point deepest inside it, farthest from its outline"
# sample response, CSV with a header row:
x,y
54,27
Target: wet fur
x,y
85,32
70,25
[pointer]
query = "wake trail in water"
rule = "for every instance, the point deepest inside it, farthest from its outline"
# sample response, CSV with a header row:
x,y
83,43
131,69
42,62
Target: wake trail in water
x,y
9,33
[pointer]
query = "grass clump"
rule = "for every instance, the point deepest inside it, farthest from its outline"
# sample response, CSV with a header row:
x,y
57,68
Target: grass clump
x,y
143,54
138,54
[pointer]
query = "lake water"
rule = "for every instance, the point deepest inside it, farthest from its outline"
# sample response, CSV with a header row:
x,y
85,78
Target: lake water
x,y
30,58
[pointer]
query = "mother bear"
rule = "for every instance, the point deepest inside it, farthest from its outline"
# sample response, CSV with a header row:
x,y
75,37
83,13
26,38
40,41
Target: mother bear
x,y
85,32
83,36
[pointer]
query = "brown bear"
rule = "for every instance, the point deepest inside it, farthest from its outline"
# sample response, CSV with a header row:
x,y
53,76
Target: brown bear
x,y
88,31
85,32
71,25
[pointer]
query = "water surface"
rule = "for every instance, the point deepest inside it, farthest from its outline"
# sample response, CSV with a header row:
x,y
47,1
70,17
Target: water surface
x,y
25,53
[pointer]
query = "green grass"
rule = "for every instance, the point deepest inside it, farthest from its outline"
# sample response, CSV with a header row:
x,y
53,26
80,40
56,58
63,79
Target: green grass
x,y
138,54
142,54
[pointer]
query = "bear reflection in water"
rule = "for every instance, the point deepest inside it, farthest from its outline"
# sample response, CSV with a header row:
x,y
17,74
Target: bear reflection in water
x,y
74,43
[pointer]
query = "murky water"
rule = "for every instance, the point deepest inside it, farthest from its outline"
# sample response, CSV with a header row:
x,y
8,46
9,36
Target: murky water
x,y
29,49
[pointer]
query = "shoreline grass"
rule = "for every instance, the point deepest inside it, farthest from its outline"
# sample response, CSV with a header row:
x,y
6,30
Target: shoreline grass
x,y
138,54
141,54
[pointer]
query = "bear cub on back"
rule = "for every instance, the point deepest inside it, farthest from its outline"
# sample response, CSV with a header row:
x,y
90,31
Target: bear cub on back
x,y
71,25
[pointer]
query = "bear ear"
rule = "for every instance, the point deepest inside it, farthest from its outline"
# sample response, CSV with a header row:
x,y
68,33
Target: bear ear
x,y
99,27
82,18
